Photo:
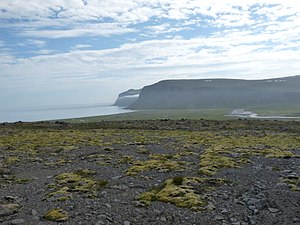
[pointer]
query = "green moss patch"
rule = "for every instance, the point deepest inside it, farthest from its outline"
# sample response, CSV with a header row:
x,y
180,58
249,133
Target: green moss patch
x,y
142,150
59,162
126,159
56,215
293,183
80,182
23,181
11,160
224,151
161,156
186,192
160,165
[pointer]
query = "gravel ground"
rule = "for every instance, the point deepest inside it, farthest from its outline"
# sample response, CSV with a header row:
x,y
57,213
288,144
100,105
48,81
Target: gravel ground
x,y
254,193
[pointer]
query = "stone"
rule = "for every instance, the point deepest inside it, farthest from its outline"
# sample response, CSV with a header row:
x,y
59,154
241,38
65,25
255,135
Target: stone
x,y
104,217
233,220
292,176
34,212
224,196
252,207
116,177
108,205
261,204
163,219
109,219
120,187
260,185
255,211
127,223
252,221
9,209
252,201
296,219
219,217
17,221
236,223
11,198
225,211
273,210
210,206
237,201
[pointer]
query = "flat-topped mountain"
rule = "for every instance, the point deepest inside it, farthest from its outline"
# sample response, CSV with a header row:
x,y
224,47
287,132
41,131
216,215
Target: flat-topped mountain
x,y
219,93
127,98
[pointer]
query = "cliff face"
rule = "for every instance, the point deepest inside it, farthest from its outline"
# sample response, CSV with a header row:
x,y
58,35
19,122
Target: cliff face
x,y
219,93
127,98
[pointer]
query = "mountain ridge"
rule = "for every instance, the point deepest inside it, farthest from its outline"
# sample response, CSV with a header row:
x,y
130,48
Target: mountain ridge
x,y
219,93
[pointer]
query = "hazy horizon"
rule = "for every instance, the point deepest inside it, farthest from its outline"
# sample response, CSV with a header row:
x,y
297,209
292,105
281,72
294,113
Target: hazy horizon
x,y
87,52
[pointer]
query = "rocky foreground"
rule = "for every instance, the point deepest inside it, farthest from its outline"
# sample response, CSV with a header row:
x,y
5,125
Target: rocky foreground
x,y
150,172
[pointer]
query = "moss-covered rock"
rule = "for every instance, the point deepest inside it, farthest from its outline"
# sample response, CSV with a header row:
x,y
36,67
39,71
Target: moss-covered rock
x,y
56,215
11,160
293,183
187,192
80,181
9,209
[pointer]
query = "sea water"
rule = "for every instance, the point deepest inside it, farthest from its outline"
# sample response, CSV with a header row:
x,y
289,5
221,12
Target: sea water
x,y
58,112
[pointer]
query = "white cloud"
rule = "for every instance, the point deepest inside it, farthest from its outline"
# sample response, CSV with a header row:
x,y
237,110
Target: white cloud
x,y
233,51
66,18
136,10
230,38
38,43
69,17
6,58
104,29
44,52
80,46
33,42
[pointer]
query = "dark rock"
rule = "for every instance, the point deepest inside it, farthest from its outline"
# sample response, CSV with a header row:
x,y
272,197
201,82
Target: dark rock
x,y
261,204
104,217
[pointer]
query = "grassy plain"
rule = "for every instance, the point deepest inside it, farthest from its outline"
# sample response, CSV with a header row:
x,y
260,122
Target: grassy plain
x,y
193,114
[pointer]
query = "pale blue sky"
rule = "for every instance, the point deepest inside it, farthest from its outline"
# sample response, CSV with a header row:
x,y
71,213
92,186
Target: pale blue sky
x,y
85,52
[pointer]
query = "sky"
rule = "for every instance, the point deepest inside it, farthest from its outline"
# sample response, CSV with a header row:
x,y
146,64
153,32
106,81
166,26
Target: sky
x,y
64,52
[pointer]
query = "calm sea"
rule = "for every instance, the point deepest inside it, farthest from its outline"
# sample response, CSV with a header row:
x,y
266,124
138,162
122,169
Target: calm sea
x,y
59,112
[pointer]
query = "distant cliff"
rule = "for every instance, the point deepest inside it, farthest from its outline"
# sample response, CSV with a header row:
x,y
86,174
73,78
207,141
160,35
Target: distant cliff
x,y
219,93
127,98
